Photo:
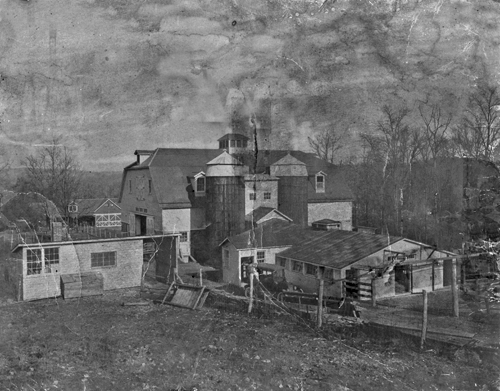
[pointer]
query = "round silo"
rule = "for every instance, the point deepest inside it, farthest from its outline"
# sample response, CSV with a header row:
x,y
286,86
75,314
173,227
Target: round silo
x,y
225,198
292,188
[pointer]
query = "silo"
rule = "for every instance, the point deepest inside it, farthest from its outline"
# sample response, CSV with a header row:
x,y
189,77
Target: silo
x,y
225,196
292,188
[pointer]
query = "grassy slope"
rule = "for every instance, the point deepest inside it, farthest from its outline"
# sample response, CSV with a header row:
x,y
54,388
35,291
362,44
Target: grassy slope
x,y
96,344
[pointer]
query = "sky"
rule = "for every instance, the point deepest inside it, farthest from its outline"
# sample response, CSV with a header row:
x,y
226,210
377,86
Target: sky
x,y
111,76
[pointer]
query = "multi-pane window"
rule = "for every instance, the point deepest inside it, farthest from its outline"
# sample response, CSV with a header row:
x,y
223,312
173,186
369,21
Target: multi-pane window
x,y
72,208
252,196
184,237
200,184
281,262
261,256
267,195
311,269
42,260
34,261
51,257
103,259
320,183
297,266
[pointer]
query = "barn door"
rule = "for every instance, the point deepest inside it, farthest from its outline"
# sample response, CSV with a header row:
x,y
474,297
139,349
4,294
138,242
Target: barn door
x,y
150,225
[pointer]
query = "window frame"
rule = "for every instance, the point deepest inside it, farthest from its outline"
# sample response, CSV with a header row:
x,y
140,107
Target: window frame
x,y
184,237
47,262
267,195
311,270
198,181
252,196
320,185
295,266
261,256
103,260
281,262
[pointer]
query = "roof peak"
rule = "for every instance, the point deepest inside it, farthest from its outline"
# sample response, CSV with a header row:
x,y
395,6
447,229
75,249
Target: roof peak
x,y
224,159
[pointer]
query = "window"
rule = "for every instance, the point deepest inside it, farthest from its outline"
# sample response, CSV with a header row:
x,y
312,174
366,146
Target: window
x,y
252,196
34,258
184,237
150,186
233,143
281,262
103,259
297,266
200,184
267,195
328,274
130,185
42,261
311,269
261,256
245,143
51,260
238,143
320,183
72,208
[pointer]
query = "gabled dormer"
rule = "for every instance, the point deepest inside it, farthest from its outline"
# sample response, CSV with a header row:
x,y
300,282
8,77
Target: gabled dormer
x,y
320,182
200,184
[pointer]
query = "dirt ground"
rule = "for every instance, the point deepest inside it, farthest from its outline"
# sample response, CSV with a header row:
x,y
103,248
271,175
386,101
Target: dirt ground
x,y
95,343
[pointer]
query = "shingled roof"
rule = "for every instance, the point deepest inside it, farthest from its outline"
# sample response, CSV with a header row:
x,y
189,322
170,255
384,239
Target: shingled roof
x,y
336,249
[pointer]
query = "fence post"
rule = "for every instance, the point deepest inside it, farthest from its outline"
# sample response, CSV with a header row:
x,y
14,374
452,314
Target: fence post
x,y
374,293
424,320
454,291
320,297
250,302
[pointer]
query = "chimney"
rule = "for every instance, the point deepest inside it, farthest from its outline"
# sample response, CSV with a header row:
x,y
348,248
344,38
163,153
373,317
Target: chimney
x,y
142,155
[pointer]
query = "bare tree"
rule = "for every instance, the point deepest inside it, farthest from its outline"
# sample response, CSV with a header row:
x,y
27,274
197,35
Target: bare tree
x,y
436,141
327,143
54,173
478,133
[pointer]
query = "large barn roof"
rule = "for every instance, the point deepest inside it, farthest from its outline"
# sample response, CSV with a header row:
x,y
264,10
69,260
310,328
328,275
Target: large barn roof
x,y
172,168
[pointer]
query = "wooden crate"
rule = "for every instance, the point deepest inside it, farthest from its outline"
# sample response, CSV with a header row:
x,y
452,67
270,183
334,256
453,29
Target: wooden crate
x,y
82,284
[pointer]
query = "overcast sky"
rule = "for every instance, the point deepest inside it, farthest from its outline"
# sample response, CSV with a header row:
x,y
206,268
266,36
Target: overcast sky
x,y
113,76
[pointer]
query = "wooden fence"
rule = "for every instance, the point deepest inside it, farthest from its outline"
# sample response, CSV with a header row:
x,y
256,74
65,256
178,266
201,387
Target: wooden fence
x,y
357,290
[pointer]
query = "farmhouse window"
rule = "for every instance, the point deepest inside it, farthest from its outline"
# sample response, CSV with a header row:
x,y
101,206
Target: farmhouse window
x,y
34,261
238,143
252,196
311,269
103,259
72,208
184,237
233,143
320,183
261,256
297,266
328,275
150,186
267,195
51,258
